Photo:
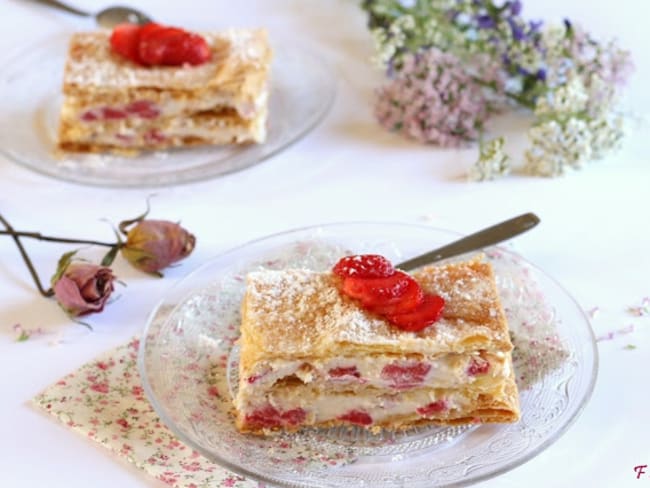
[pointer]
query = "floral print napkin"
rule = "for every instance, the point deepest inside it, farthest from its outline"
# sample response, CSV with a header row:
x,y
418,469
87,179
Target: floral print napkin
x,y
105,402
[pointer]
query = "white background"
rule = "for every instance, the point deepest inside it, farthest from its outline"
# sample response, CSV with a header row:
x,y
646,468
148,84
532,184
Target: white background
x,y
594,236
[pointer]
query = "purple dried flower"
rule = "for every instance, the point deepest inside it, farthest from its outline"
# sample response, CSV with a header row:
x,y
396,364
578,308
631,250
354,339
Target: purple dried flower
x,y
535,25
517,31
433,99
515,7
485,22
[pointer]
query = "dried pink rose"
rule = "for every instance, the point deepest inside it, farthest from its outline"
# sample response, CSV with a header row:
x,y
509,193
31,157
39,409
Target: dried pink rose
x,y
152,245
82,288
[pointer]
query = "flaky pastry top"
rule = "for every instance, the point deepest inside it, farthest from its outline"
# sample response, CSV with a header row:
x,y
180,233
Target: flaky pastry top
x,y
300,313
237,54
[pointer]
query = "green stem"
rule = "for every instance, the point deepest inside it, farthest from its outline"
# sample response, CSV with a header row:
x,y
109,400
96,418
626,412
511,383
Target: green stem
x,y
46,293
513,96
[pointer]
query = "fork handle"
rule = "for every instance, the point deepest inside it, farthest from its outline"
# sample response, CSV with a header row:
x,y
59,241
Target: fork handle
x,y
66,7
486,237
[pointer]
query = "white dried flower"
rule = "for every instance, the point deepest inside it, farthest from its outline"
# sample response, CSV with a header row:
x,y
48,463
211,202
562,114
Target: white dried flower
x,y
493,162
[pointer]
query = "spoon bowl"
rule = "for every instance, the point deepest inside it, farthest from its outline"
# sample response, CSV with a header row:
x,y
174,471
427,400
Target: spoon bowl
x,y
108,17
112,16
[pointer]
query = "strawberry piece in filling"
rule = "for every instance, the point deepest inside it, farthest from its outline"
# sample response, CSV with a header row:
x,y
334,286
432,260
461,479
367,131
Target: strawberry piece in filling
x,y
402,376
342,372
269,417
432,408
357,417
143,109
478,366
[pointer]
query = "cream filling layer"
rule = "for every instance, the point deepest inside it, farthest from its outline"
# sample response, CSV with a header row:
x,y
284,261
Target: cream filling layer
x,y
382,372
165,106
368,407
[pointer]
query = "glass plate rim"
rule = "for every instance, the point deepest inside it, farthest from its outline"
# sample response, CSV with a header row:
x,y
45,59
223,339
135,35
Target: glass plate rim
x,y
14,55
255,476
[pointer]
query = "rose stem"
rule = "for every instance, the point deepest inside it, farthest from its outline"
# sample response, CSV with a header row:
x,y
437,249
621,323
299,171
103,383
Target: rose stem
x,y
28,262
41,237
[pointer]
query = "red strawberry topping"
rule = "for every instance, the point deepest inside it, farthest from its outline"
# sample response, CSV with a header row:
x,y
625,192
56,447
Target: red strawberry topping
x,y
380,288
425,314
358,417
364,266
124,41
408,300
375,292
157,45
405,375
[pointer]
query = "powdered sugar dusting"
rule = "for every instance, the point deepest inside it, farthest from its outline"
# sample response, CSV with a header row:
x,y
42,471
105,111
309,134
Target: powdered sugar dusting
x,y
92,64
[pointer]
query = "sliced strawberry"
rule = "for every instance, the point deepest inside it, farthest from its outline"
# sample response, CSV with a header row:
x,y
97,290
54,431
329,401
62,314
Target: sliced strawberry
x,y
358,417
190,48
363,266
417,319
124,41
410,299
153,42
172,47
404,375
375,292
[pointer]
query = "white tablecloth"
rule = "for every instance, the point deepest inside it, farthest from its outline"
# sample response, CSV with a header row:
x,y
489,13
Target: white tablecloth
x,y
593,238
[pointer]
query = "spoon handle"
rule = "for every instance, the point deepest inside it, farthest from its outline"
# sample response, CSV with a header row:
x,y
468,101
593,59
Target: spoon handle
x,y
67,8
486,237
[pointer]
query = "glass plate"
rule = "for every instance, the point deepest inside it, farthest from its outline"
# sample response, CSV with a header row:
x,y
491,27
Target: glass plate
x,y
188,364
302,91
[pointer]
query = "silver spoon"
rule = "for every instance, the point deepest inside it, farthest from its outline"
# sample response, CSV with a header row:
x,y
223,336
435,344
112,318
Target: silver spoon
x,y
108,17
473,242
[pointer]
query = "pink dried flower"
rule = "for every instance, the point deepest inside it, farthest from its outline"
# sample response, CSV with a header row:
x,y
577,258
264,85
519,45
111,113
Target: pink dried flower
x,y
82,288
152,245
433,99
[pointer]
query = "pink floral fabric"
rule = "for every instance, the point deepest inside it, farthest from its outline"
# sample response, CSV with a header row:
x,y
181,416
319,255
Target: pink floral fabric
x,y
105,402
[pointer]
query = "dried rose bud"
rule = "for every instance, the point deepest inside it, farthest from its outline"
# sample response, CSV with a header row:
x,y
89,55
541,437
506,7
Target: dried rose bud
x,y
83,288
152,245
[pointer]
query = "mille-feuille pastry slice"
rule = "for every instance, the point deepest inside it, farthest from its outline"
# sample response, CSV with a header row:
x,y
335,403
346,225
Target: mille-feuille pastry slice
x,y
113,103
312,356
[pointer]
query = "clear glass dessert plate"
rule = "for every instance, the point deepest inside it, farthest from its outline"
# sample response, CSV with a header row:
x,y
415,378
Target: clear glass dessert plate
x,y
188,359
302,91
